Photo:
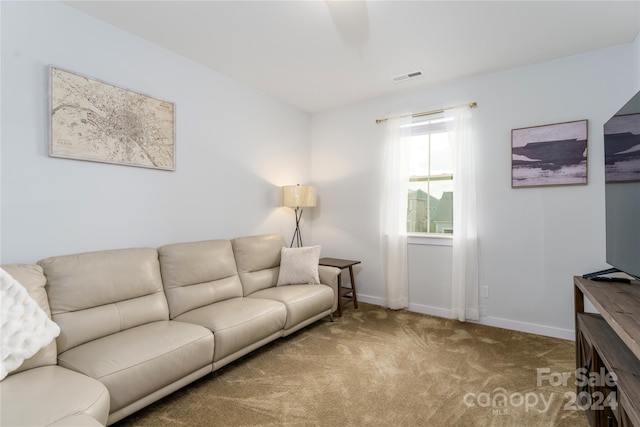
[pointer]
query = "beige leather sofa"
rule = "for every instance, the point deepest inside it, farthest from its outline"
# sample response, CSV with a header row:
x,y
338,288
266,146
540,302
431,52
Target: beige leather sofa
x,y
138,324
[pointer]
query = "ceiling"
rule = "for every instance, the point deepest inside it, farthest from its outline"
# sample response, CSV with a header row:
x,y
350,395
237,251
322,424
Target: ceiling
x,y
318,55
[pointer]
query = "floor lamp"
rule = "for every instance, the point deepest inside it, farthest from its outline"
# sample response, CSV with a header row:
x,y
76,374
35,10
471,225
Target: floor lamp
x,y
298,197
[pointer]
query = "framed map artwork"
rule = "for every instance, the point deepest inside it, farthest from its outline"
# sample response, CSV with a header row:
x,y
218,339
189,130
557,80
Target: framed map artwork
x,y
96,121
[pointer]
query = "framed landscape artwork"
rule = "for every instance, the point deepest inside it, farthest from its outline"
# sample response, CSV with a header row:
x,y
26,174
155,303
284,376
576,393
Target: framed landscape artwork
x,y
554,154
96,121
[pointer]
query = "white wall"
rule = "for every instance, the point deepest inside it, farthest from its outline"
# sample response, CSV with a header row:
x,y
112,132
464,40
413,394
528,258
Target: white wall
x,y
235,146
532,240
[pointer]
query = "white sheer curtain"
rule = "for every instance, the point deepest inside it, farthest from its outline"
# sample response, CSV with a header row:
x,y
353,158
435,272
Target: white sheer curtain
x,y
464,277
393,213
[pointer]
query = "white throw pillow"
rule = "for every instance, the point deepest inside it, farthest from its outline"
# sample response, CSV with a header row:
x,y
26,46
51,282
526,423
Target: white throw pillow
x,y
299,266
25,328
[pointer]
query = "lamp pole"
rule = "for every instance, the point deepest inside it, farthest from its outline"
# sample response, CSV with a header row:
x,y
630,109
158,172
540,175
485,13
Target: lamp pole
x,y
297,235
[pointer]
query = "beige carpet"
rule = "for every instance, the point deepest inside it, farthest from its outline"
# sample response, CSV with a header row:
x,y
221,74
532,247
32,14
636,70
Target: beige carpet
x,y
377,367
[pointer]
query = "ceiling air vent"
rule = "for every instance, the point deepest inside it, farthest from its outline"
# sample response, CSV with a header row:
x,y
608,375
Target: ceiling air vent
x,y
403,77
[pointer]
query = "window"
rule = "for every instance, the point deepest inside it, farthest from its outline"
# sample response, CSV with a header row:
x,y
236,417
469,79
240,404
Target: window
x,y
430,203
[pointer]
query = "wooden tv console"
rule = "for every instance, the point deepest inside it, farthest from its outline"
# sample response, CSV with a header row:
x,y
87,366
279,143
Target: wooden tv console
x,y
608,352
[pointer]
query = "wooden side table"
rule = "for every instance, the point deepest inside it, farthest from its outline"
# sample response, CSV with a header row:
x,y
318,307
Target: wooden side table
x,y
343,292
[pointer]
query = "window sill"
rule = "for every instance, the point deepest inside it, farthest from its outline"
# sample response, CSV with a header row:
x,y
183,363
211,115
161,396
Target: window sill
x,y
429,239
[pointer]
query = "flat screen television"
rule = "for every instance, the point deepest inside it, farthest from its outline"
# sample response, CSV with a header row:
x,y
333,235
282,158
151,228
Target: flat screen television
x,y
622,188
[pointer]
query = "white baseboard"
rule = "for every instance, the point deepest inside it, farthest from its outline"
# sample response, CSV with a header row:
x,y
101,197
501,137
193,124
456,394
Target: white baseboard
x,y
514,325
371,300
430,310
532,328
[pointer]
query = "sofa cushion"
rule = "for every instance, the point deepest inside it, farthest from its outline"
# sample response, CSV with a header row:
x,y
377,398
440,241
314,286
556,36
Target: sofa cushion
x,y
96,294
31,277
302,301
197,274
142,360
51,394
258,261
238,323
299,266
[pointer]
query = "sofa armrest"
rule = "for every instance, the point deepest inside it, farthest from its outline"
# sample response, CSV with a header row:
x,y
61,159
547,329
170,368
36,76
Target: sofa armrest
x,y
53,395
329,276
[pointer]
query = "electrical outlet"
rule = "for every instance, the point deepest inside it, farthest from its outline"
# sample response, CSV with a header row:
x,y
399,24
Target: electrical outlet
x,y
485,292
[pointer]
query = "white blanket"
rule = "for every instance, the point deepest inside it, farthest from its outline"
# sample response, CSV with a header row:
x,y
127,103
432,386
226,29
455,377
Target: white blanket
x,y
25,328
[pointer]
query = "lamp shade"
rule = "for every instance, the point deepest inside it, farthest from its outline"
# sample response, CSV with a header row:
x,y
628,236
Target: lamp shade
x,y
298,196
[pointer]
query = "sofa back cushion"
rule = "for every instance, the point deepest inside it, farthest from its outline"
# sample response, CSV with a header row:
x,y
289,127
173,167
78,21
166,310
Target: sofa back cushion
x,y
258,261
196,274
96,294
30,276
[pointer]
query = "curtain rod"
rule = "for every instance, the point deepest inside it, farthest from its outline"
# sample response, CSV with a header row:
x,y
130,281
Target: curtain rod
x,y
428,113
